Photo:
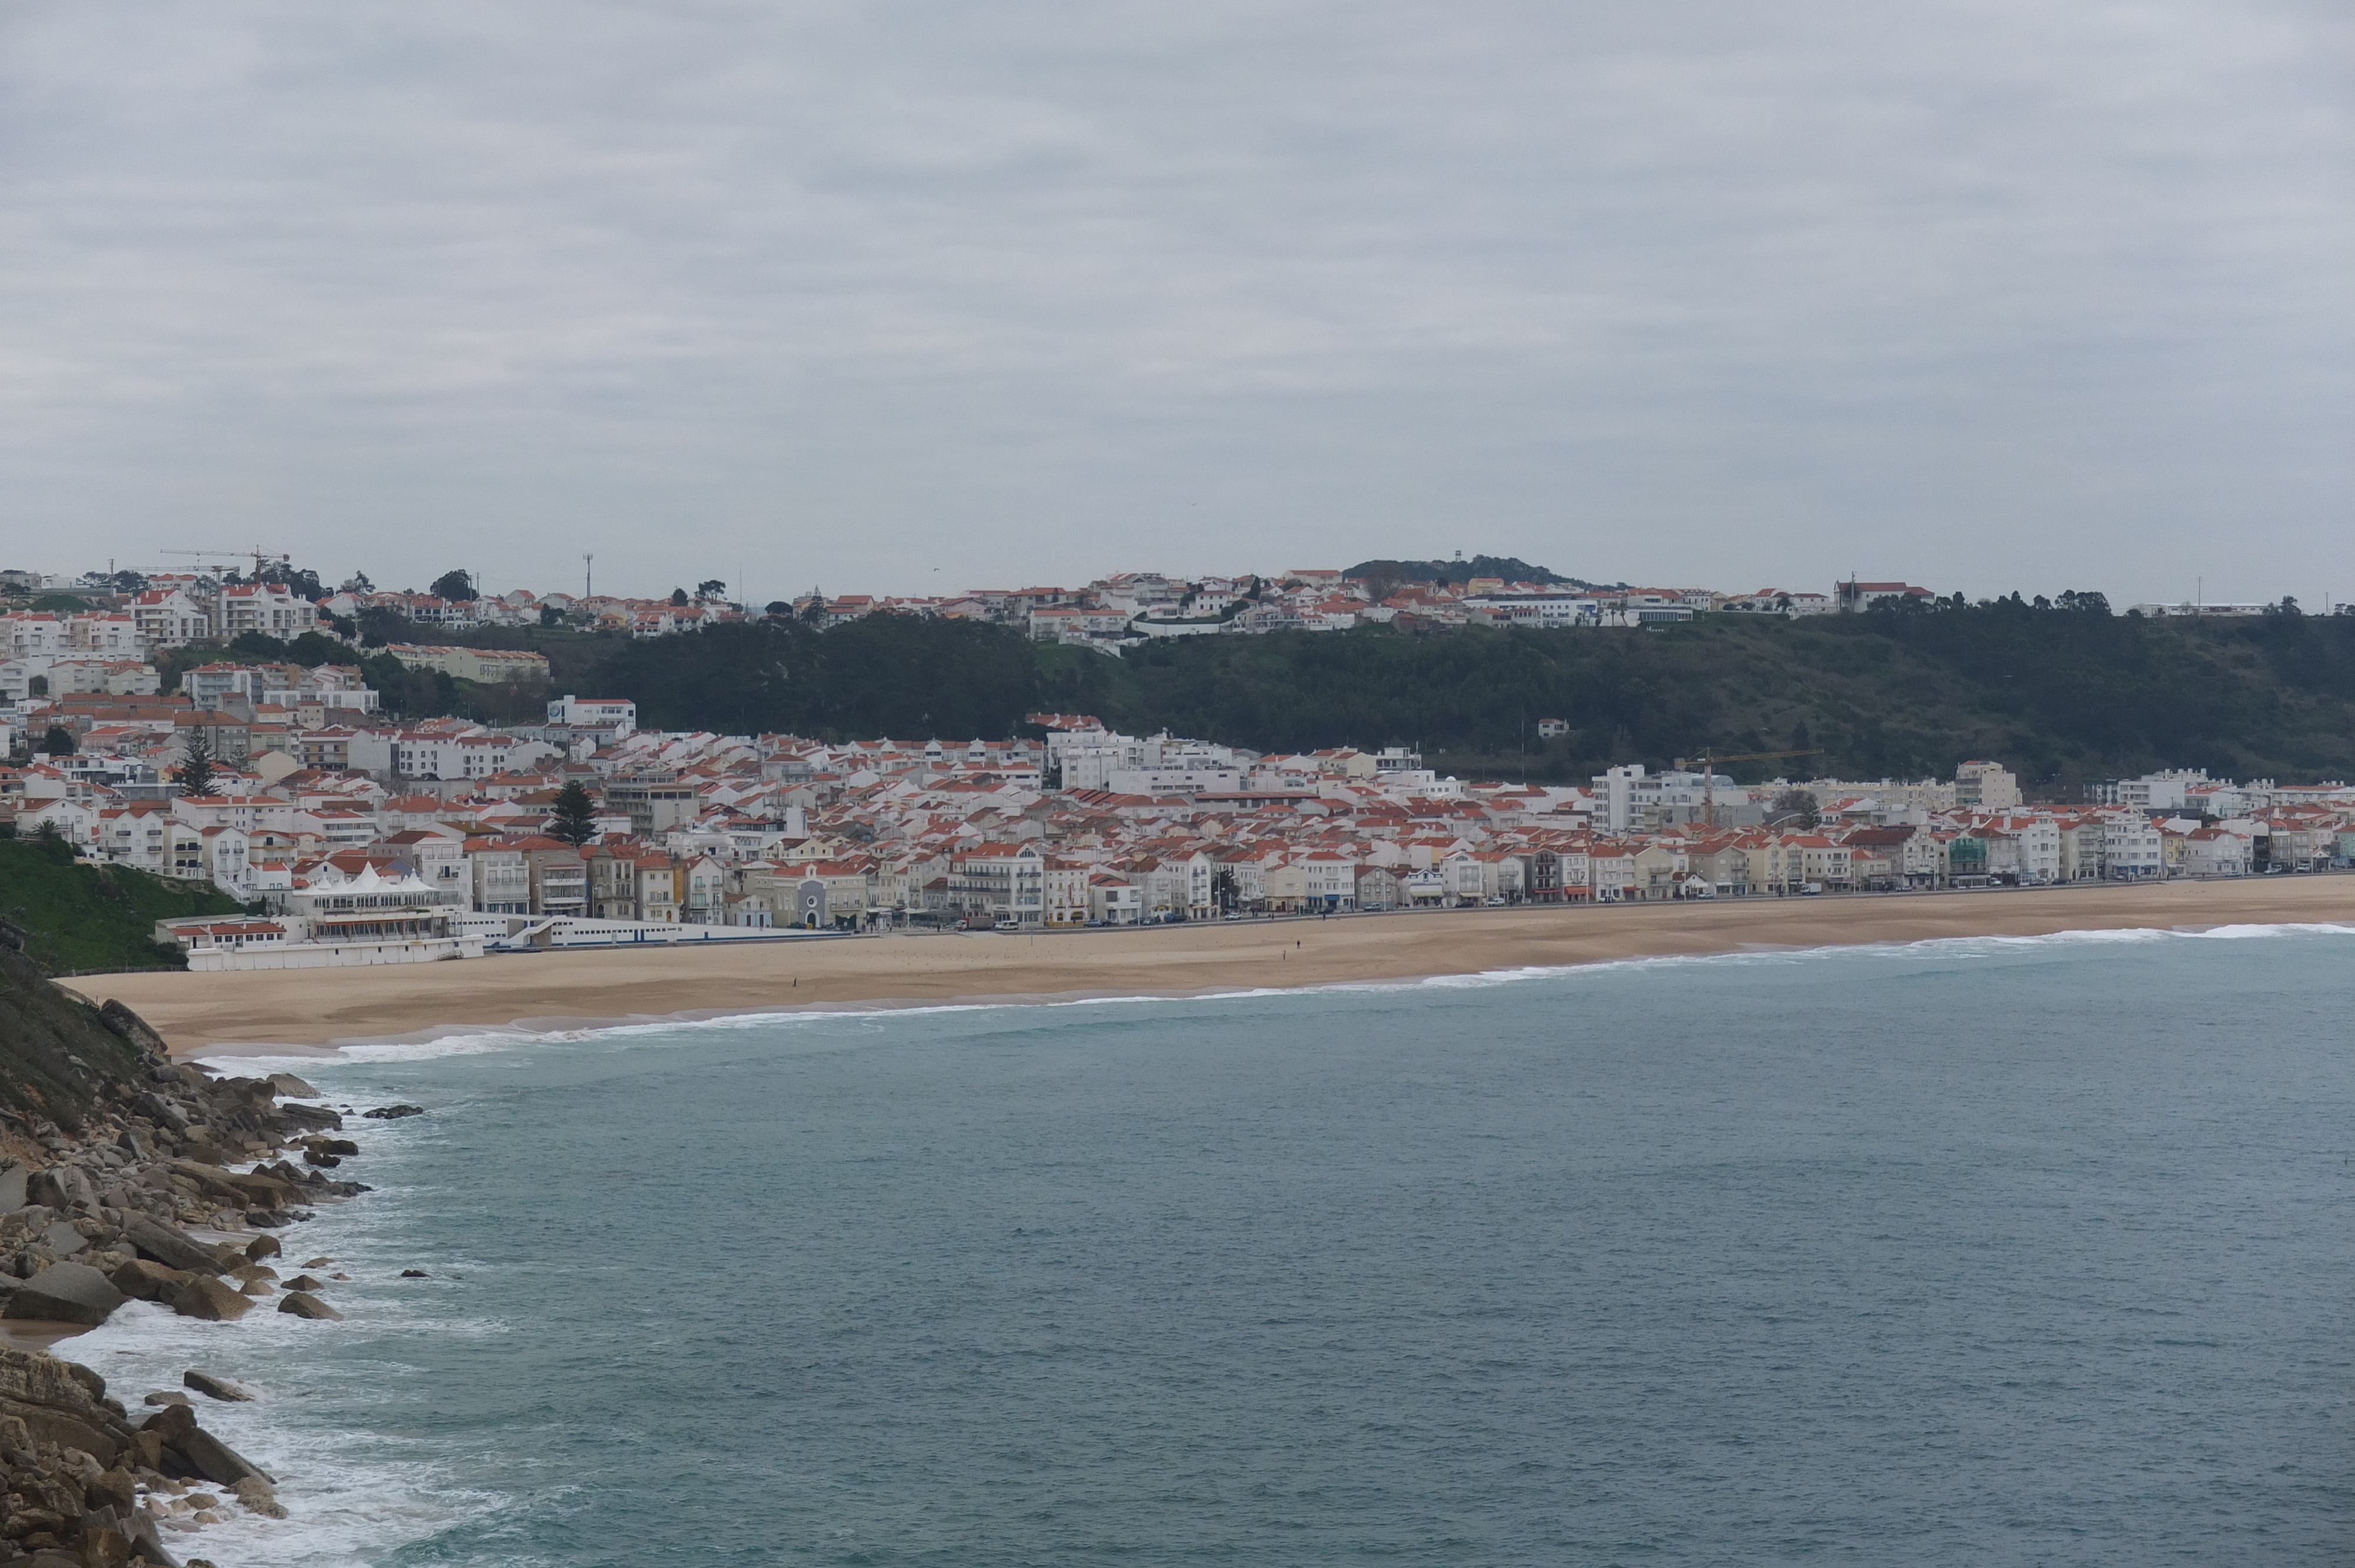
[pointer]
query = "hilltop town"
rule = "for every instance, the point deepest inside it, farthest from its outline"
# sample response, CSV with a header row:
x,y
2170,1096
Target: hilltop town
x,y
350,837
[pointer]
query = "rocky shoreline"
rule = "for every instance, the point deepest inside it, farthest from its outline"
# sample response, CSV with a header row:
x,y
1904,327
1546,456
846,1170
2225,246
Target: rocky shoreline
x,y
105,1209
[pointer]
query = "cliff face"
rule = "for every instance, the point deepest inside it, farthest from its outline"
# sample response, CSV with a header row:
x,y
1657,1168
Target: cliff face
x,y
58,1056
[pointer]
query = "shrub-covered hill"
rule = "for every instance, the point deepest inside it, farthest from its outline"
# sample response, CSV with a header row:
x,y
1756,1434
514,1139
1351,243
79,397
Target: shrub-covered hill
x,y
2058,693
75,915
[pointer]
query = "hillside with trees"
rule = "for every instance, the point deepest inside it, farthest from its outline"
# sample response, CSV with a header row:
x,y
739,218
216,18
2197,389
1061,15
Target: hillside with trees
x,y
2061,691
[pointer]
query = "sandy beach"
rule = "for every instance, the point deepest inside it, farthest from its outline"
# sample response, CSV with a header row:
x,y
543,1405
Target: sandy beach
x,y
322,1007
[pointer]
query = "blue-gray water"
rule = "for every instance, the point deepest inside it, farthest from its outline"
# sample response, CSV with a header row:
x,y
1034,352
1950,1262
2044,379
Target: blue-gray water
x,y
1975,1253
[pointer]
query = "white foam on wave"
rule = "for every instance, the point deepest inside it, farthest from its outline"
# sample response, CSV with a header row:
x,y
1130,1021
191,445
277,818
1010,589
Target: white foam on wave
x,y
479,1042
359,1493
355,1492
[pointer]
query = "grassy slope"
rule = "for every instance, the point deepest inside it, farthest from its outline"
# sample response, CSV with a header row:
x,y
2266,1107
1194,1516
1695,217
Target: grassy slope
x,y
78,915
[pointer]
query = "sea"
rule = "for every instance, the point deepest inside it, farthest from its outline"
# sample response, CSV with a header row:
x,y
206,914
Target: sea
x,y
1974,1252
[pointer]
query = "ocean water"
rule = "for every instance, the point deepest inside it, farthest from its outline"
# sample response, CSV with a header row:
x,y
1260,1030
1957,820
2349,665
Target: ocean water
x,y
2035,1252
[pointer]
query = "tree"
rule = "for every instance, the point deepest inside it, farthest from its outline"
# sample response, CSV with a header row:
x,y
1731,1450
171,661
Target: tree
x,y
1795,806
38,686
550,616
195,774
380,624
57,743
575,818
678,595
358,583
454,586
300,581
710,589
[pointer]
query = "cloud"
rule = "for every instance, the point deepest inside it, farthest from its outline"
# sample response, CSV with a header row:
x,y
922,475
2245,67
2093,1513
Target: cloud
x,y
1986,295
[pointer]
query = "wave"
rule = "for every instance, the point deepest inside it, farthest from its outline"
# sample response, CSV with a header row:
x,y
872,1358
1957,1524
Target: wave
x,y
478,1041
333,1406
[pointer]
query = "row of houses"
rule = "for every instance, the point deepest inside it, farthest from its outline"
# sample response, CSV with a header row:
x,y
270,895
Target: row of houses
x,y
1074,826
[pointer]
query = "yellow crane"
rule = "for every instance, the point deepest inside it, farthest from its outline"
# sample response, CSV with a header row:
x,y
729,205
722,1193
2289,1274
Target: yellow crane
x,y
1708,760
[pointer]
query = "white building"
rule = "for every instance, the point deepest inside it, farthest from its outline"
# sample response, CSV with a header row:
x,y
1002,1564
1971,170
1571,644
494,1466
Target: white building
x,y
618,715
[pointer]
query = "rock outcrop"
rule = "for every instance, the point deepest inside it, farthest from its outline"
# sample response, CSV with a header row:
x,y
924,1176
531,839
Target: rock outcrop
x,y
110,1155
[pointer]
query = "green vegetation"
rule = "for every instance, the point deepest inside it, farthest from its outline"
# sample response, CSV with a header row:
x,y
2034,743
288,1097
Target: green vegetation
x,y
195,774
58,1053
575,821
78,915
2058,691
888,674
1511,568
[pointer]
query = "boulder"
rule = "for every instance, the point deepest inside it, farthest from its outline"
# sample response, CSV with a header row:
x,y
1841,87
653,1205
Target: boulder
x,y
114,1489
266,1192
392,1113
315,1118
12,1186
161,1111
61,1237
169,1246
144,1281
168,1396
46,1400
288,1085
64,1293
170,1425
302,1304
206,1298
325,1161
213,1387
210,1180
261,1247
103,1546
257,1496
306,1282
216,1460
60,1187
130,1026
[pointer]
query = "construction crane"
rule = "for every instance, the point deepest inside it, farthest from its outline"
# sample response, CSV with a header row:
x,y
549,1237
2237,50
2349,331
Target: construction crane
x,y
1710,760
261,557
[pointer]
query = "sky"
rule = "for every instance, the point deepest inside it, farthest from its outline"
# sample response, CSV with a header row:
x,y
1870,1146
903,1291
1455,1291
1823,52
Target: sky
x,y
909,297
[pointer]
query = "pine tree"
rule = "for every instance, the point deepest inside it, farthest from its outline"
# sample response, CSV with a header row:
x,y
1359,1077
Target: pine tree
x,y
195,775
575,820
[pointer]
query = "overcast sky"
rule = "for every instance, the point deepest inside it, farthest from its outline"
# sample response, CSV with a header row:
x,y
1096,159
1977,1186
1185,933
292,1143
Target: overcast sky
x,y
905,296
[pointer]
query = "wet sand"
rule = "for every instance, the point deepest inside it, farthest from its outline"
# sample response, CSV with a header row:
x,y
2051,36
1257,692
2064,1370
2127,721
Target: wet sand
x,y
561,990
